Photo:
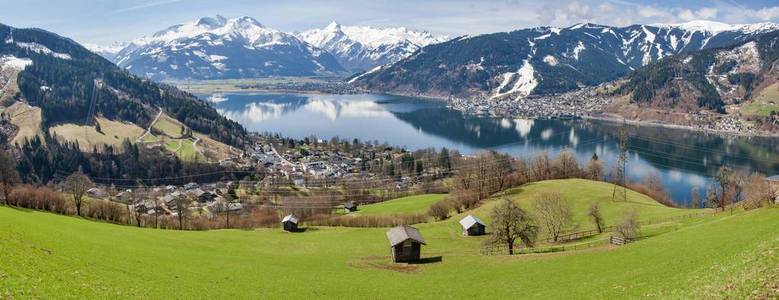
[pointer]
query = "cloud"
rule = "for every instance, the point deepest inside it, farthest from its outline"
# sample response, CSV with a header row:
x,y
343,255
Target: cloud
x,y
623,13
147,4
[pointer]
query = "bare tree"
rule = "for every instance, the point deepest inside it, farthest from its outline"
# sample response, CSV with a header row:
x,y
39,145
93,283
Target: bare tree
x,y
511,223
695,197
629,228
596,217
595,168
8,174
77,185
182,208
439,210
540,168
565,165
758,192
554,213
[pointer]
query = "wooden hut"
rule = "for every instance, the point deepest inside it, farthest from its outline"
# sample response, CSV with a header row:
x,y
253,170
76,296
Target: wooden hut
x,y
290,223
472,226
350,206
406,243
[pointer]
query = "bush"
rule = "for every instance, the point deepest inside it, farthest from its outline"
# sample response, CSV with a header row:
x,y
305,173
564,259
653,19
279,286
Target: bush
x,y
439,210
629,227
42,198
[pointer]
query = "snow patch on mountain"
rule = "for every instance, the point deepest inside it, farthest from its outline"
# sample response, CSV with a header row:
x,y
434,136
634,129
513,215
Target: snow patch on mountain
x,y
13,62
364,47
41,49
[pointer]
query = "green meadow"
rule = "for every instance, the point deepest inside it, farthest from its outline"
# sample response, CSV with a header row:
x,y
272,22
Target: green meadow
x,y
723,255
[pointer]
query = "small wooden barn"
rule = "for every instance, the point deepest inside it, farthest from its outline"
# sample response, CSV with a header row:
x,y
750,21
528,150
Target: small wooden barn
x,y
473,226
350,206
290,223
406,243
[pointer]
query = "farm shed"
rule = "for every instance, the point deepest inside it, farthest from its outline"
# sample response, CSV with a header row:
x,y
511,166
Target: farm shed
x,y
472,226
350,206
290,223
406,243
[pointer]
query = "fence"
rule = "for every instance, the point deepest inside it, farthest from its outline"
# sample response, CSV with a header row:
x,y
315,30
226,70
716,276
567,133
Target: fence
x,y
571,236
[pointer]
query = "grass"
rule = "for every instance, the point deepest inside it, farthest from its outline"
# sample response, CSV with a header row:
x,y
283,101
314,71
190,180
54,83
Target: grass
x,y
113,133
411,204
168,126
764,102
27,118
46,256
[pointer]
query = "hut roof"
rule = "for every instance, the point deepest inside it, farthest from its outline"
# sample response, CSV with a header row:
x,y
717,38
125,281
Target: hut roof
x,y
470,220
350,204
290,218
400,234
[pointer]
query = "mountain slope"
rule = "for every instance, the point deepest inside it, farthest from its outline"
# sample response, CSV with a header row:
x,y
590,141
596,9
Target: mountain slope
x,y
710,78
545,60
219,48
360,48
73,85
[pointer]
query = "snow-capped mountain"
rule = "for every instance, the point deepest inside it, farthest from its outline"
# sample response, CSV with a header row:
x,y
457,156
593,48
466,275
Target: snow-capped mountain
x,y
220,48
360,48
545,60
109,51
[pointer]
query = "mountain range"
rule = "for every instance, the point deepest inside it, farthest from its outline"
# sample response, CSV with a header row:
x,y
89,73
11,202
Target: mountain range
x,y
360,48
546,60
221,48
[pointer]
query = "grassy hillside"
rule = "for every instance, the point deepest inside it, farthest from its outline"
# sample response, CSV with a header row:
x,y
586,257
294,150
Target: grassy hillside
x,y
411,204
112,133
766,101
27,118
46,255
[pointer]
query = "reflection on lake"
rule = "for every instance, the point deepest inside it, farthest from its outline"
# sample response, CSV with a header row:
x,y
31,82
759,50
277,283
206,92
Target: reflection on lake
x,y
682,158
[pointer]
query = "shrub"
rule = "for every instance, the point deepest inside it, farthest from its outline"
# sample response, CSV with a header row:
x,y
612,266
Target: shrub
x,y
629,228
439,210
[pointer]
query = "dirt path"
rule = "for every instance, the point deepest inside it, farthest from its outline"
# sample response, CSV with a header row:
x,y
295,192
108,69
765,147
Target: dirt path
x,y
148,130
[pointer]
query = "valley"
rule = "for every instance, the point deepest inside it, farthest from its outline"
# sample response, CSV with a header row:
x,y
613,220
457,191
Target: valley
x,y
500,149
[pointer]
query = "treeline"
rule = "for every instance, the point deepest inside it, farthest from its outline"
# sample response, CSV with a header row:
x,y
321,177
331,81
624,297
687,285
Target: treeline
x,y
41,161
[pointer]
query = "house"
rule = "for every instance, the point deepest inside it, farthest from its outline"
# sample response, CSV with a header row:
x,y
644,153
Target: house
x,y
290,223
191,186
406,243
350,206
96,193
472,226
203,196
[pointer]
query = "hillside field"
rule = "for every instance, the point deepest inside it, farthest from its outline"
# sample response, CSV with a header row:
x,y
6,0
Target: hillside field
x,y
713,256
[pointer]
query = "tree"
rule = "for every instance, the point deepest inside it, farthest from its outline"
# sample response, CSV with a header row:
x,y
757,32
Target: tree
x,y
77,185
565,165
595,168
540,167
629,228
695,197
439,210
182,208
511,223
595,215
8,174
554,213
758,192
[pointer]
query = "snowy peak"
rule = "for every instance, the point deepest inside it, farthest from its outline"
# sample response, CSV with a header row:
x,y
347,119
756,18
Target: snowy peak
x,y
713,27
365,47
222,48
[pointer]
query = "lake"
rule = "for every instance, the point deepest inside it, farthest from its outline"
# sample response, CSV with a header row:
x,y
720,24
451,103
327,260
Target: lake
x,y
682,158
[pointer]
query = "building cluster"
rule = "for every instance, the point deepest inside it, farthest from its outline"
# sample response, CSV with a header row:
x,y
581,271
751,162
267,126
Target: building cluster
x,y
209,198
583,102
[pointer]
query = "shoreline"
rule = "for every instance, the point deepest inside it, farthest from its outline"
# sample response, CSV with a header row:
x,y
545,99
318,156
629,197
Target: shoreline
x,y
444,99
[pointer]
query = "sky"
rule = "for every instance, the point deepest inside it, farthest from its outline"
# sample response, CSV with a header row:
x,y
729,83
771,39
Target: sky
x,y
106,21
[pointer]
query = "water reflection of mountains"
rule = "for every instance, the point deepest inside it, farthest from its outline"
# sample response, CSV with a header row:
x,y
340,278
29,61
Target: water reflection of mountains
x,y
665,148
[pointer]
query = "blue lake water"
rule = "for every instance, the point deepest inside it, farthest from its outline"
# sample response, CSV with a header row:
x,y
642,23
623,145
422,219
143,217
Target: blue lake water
x,y
682,158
